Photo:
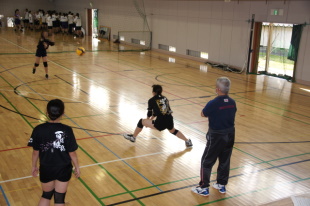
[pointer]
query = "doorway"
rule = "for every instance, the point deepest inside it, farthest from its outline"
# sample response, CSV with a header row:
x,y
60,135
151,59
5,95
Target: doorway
x,y
274,47
92,22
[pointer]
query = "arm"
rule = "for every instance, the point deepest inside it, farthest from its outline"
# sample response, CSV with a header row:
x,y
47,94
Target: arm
x,y
35,157
202,114
75,161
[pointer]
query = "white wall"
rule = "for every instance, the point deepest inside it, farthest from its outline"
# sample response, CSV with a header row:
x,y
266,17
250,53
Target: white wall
x,y
8,7
221,29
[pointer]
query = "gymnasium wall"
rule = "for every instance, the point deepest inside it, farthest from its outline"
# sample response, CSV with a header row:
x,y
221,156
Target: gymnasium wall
x,y
221,29
8,7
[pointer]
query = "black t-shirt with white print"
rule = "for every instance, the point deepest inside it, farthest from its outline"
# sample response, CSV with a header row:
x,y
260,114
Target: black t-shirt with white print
x,y
54,141
159,105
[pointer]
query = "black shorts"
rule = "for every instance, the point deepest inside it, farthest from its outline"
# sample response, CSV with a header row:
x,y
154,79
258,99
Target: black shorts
x,y
17,21
62,174
49,27
164,122
26,20
64,25
41,53
78,28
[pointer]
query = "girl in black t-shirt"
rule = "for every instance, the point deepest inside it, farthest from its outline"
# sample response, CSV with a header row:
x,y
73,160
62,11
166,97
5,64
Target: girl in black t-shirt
x,y
159,108
54,145
43,45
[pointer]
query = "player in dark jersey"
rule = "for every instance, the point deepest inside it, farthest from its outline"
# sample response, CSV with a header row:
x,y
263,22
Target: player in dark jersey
x,y
159,108
55,146
43,45
221,113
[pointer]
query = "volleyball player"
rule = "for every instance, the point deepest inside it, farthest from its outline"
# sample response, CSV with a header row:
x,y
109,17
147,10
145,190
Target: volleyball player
x,y
159,108
30,20
17,20
26,19
78,24
55,146
43,45
70,21
49,21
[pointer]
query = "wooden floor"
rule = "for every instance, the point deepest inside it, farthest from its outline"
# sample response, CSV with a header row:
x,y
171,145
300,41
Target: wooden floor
x,y
106,93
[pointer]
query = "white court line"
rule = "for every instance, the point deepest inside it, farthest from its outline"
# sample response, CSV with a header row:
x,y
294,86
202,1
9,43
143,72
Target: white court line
x,y
11,180
99,163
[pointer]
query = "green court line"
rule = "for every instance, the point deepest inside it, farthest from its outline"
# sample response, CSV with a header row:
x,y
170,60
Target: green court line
x,y
17,110
268,163
92,192
114,178
263,162
144,188
253,191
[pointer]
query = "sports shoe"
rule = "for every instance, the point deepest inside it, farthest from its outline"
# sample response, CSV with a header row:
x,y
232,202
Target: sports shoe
x,y
129,137
46,76
33,70
189,143
201,191
219,187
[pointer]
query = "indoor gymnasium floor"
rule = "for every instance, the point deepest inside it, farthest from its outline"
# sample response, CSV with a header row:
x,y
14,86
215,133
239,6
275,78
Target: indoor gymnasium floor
x,y
106,93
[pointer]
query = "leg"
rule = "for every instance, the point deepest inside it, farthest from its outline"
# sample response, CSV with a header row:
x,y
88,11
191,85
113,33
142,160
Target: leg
x,y
60,192
36,64
48,190
224,160
146,123
45,66
141,123
179,134
212,150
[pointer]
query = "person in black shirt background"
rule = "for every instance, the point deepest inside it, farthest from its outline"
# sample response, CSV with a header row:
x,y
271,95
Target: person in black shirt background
x,y
158,106
221,112
43,45
54,144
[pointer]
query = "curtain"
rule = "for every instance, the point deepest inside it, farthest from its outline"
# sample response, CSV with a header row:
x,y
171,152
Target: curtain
x,y
296,35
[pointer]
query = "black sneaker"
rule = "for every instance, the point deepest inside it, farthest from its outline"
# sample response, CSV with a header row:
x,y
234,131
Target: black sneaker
x,y
46,76
33,70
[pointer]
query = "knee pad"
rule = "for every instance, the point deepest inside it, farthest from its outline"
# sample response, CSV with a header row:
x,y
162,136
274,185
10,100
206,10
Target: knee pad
x,y
175,132
36,65
48,195
140,125
59,198
45,64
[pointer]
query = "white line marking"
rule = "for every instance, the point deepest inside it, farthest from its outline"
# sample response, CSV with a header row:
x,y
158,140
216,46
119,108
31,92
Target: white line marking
x,y
100,163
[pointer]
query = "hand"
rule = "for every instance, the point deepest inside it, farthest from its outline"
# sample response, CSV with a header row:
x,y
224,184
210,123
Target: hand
x,y
45,45
35,171
77,172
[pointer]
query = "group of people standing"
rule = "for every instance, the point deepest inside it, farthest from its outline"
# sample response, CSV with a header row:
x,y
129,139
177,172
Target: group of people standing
x,y
56,22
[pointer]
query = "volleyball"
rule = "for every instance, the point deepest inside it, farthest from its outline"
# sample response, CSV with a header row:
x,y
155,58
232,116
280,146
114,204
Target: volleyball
x,y
80,51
